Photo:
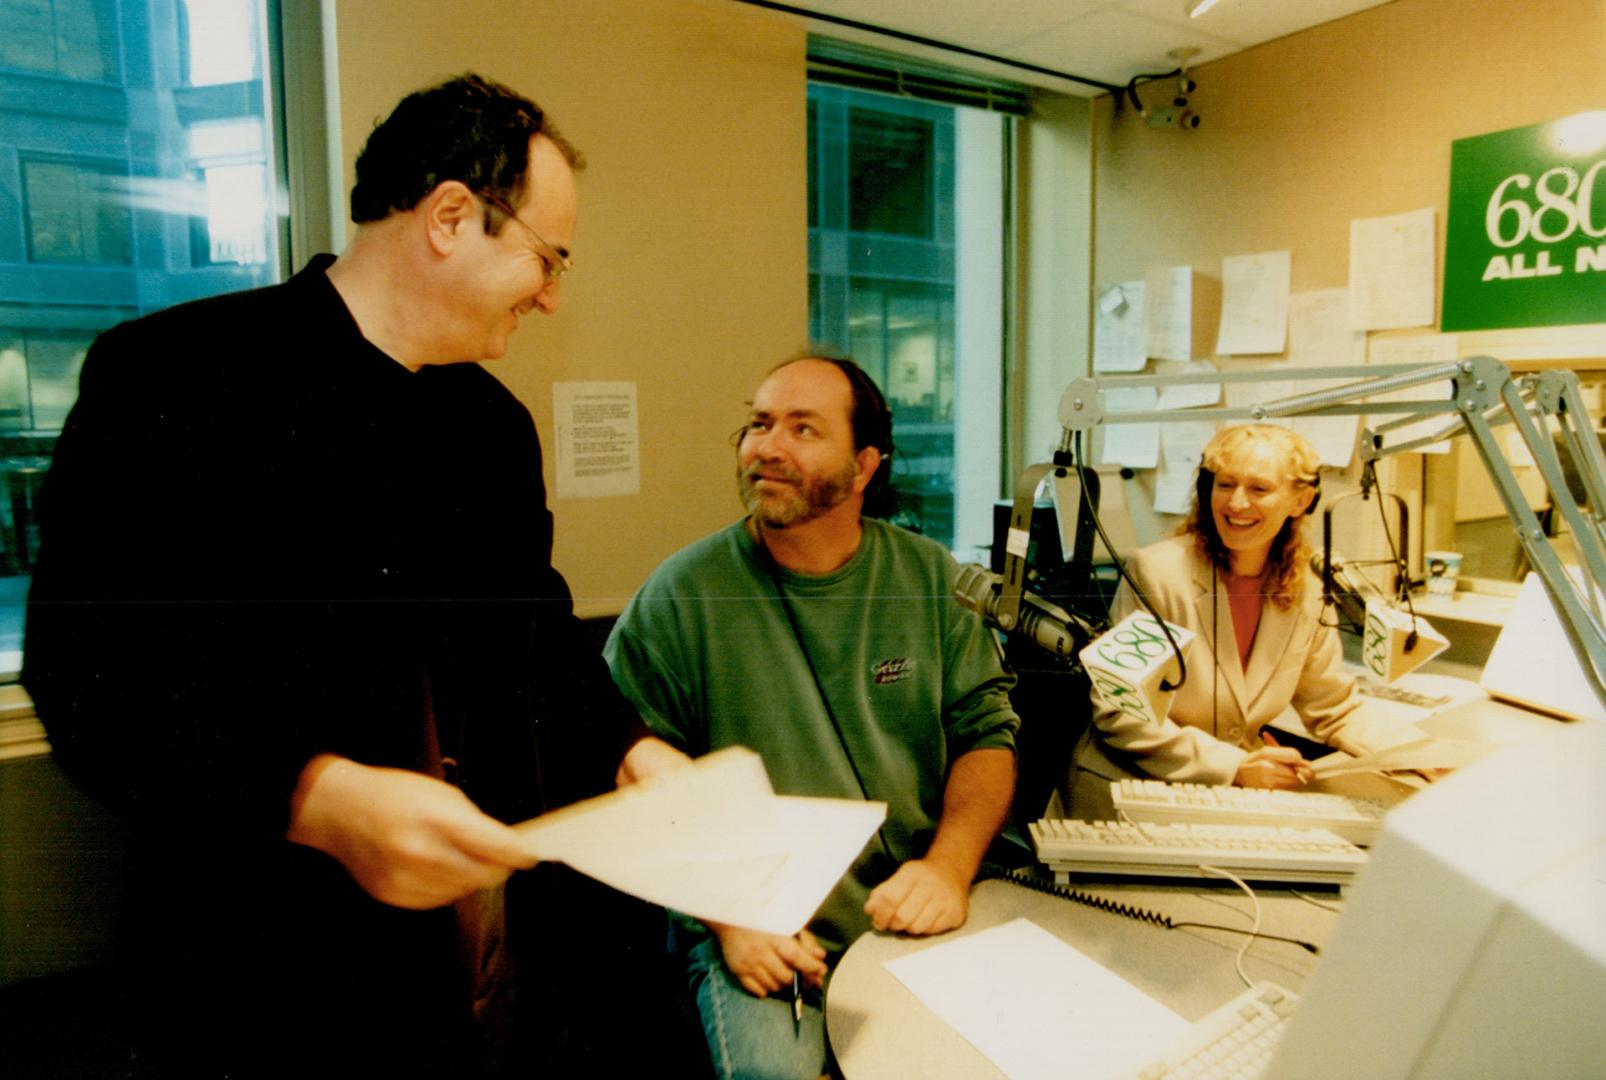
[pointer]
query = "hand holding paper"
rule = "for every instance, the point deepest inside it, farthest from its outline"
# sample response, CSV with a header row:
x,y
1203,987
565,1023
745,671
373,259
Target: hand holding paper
x,y
712,840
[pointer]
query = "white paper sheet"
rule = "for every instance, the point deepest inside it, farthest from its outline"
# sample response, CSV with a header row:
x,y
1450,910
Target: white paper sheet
x,y
1118,329
1429,753
1035,1006
1415,697
1136,446
1188,395
1417,349
1270,387
1391,271
1254,303
713,841
1168,312
1182,446
598,443
1319,335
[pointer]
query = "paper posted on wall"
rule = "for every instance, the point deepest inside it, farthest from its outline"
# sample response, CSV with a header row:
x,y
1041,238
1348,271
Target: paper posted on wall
x,y
712,840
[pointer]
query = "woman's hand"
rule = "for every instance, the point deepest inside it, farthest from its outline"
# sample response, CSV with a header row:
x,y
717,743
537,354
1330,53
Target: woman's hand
x,y
1274,767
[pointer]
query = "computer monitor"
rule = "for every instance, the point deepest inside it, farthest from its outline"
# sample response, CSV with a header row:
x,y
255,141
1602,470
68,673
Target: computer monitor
x,y
1474,942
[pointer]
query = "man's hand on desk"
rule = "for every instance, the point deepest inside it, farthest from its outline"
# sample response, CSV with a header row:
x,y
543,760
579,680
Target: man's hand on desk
x,y
922,897
763,963
408,839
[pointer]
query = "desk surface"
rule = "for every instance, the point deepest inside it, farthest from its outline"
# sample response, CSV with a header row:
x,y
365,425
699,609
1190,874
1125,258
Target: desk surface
x,y
878,1028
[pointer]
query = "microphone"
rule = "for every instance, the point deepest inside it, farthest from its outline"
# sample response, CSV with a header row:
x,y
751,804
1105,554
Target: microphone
x,y
1393,642
1049,626
1338,589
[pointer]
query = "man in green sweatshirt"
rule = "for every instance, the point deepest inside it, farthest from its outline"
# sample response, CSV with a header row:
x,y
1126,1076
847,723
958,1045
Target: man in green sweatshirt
x,y
829,642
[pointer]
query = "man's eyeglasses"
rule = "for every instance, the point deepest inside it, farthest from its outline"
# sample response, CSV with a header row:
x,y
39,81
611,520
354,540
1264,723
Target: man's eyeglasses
x,y
557,264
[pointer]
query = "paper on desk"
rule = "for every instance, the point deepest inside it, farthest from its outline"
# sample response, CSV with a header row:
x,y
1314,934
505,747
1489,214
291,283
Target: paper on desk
x,y
712,840
1037,1007
1416,696
1430,753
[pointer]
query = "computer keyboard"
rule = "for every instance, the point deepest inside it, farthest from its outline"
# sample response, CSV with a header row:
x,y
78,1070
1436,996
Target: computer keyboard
x,y
1233,1043
1356,820
1253,852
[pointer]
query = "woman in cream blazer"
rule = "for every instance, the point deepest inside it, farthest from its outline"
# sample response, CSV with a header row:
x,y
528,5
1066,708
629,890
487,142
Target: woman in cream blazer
x,y
1238,570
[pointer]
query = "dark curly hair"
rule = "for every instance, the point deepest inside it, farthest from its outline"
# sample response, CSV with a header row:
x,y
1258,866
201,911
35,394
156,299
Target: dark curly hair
x,y
468,129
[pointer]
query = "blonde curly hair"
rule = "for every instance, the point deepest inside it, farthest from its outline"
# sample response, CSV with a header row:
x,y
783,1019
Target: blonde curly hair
x,y
1290,554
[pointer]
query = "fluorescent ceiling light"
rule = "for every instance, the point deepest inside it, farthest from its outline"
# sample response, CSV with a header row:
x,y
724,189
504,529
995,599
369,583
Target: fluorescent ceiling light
x,y
1196,8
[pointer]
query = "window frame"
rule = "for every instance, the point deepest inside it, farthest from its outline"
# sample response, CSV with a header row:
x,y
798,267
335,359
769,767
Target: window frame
x,y
978,466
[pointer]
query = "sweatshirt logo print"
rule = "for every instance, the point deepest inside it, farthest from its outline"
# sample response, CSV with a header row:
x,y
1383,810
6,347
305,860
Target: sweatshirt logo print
x,y
894,670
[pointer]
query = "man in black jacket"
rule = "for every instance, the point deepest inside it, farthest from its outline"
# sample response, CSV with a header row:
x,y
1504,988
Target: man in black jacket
x,y
295,616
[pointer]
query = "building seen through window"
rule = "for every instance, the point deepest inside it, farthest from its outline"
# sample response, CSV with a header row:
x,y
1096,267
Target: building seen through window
x,y
139,142
895,187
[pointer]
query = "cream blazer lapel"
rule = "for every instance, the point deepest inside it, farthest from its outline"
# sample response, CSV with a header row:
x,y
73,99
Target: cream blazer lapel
x,y
1214,618
1273,640
1274,637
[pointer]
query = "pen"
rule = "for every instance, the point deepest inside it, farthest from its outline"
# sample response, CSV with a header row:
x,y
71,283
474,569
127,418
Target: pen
x,y
797,1004
1271,740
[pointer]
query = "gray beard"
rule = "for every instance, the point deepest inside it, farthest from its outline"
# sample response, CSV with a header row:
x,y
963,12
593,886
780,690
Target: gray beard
x,y
817,497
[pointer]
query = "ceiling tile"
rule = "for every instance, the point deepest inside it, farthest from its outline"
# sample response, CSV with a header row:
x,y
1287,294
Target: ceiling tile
x,y
1106,40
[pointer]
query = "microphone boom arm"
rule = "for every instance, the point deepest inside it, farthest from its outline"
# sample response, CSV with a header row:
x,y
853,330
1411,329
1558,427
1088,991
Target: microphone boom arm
x,y
1483,395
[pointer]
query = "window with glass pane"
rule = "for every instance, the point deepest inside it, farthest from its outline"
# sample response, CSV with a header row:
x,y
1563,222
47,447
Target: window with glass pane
x,y
899,193
75,213
144,158
70,38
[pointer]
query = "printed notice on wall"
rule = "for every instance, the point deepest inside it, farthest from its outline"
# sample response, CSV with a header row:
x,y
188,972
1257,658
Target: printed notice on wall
x,y
1391,271
599,450
1254,303
1168,314
1118,329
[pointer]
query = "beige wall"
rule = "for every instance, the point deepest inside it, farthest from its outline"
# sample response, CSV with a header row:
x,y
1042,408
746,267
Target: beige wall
x,y
1349,120
691,252
1056,223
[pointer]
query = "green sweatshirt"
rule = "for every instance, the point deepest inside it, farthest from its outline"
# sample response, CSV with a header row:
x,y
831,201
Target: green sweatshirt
x,y
707,652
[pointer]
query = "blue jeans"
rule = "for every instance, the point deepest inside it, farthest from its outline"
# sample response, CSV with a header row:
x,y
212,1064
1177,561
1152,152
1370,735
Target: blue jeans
x,y
751,1038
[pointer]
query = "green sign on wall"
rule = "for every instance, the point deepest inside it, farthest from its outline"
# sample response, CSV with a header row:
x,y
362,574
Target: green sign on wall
x,y
1526,233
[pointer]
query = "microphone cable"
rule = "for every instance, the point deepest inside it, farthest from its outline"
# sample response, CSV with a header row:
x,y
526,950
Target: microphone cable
x,y
1027,880
1120,569
1402,572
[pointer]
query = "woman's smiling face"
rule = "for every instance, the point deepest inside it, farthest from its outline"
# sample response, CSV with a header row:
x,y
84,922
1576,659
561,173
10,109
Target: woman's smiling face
x,y
1252,495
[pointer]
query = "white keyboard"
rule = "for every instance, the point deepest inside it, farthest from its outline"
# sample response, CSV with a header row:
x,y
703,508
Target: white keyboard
x,y
1254,852
1233,1043
1356,820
